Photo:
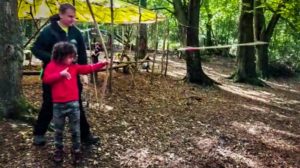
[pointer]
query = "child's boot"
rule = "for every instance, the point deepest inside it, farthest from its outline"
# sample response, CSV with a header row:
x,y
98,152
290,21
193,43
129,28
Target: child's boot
x,y
76,155
58,156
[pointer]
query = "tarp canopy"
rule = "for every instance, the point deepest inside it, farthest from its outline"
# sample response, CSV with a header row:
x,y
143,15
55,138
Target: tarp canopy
x,y
124,13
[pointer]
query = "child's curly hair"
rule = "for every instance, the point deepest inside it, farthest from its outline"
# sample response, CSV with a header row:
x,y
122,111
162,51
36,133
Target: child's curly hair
x,y
63,49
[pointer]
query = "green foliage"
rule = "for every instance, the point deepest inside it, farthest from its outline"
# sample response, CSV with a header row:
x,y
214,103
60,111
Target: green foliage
x,y
285,48
224,20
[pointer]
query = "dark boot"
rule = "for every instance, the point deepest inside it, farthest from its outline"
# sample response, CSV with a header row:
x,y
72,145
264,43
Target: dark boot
x,y
90,140
39,140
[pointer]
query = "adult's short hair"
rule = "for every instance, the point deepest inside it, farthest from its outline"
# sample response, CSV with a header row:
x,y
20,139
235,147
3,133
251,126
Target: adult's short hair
x,y
64,7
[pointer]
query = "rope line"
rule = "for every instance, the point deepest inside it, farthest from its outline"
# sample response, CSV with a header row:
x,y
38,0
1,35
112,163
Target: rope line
x,y
222,46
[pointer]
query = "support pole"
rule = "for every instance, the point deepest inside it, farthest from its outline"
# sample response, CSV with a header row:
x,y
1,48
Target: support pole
x,y
137,55
156,47
164,49
112,43
106,54
167,59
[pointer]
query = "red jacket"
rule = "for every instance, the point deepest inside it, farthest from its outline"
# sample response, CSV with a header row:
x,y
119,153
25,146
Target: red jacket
x,y
63,89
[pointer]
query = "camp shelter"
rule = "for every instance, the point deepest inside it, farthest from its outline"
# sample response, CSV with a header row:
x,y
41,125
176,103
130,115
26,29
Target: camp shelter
x,y
124,13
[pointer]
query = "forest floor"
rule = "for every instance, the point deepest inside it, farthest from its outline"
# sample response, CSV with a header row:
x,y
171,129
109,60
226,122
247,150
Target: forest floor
x,y
174,124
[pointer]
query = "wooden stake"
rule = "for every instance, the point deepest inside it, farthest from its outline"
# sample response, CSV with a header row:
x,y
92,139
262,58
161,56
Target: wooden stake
x,y
156,47
112,44
167,59
164,48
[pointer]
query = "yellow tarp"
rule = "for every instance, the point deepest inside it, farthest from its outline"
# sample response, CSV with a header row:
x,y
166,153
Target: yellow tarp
x,y
124,13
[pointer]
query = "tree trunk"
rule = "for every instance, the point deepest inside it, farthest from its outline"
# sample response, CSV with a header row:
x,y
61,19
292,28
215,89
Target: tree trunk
x,y
180,12
209,29
195,72
187,15
265,34
10,59
262,62
142,46
259,32
246,55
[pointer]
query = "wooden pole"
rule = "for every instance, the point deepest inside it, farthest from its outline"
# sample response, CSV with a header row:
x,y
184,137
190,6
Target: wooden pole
x,y
106,54
156,47
34,6
112,43
97,28
167,59
167,41
123,38
164,49
138,35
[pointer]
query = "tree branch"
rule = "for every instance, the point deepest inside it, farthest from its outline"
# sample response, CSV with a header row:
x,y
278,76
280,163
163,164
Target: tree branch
x,y
163,8
169,1
275,18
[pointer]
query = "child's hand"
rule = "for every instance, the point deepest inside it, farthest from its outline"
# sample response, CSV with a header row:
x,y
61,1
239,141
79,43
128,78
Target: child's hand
x,y
106,63
65,73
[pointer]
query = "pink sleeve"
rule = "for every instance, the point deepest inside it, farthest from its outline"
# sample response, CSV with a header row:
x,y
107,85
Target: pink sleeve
x,y
50,75
85,69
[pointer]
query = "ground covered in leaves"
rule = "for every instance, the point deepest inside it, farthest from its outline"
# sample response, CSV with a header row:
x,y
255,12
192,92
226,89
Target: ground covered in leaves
x,y
173,124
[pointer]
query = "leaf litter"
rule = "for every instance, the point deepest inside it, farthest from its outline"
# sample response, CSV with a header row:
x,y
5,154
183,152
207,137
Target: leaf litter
x,y
171,124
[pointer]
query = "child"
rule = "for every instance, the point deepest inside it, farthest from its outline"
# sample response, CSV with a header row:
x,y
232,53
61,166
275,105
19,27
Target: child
x,y
62,74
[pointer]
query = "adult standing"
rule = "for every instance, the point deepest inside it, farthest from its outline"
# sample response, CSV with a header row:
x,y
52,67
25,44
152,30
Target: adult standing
x,y
61,28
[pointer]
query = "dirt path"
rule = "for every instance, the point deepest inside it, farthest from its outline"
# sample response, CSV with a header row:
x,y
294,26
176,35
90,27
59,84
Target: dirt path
x,y
281,93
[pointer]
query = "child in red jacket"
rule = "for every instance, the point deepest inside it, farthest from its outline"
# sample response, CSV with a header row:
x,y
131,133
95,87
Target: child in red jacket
x,y
61,73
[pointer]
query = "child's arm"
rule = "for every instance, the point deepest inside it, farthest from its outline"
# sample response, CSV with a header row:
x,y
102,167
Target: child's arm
x,y
50,78
85,69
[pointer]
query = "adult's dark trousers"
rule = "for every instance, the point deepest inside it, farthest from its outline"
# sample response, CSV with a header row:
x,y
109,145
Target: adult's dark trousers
x,y
46,113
